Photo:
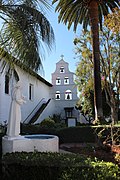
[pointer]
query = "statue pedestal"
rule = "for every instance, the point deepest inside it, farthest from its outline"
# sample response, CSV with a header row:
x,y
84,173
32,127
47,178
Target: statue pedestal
x,y
30,143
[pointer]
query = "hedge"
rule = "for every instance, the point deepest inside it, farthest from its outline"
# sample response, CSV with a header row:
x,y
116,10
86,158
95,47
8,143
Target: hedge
x,y
56,166
36,129
73,134
66,135
77,135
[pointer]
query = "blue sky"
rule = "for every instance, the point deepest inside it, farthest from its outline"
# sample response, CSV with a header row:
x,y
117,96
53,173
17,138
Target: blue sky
x,y
64,46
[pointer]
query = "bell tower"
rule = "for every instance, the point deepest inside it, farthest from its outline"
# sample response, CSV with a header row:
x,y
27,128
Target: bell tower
x,y
64,90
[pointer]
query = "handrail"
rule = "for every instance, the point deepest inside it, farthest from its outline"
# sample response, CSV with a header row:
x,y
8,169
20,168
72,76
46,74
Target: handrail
x,y
33,111
38,112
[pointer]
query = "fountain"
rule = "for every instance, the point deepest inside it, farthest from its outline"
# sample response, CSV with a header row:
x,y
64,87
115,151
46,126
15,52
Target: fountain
x,y
13,142
30,143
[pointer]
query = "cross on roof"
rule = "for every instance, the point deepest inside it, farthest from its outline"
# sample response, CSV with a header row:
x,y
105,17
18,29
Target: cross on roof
x,y
62,56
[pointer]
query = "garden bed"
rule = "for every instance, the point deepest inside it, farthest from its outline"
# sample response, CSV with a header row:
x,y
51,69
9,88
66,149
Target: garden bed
x,y
92,150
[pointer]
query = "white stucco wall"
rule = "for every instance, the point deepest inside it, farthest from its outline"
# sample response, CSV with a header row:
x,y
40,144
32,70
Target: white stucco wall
x,y
5,100
41,90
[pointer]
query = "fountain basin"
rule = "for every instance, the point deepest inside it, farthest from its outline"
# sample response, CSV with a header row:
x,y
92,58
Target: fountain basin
x,y
30,143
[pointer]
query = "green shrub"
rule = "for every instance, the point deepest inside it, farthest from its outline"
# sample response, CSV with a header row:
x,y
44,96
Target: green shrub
x,y
57,118
117,158
29,129
60,125
66,134
1,135
76,135
47,123
36,129
56,166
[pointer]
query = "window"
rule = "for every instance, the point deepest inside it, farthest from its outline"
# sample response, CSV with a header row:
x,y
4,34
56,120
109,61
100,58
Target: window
x,y
66,80
58,81
62,70
7,83
68,95
31,91
68,112
57,95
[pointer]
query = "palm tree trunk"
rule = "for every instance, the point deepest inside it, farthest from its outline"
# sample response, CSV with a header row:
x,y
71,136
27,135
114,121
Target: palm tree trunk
x,y
93,11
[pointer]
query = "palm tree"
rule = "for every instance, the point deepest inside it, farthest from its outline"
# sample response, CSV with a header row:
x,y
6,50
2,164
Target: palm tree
x,y
25,32
88,12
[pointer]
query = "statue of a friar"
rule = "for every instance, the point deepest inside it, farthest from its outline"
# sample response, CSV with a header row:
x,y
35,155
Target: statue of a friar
x,y
14,120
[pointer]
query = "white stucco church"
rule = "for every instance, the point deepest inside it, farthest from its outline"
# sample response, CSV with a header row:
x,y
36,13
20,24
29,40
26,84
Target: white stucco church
x,y
43,98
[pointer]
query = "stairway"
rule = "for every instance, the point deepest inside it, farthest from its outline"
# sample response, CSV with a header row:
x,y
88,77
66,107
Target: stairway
x,y
34,115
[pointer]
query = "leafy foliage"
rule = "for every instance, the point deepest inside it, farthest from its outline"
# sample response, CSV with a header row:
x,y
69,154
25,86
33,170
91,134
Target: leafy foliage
x,y
25,31
78,134
56,166
47,123
77,12
84,73
113,21
109,56
117,157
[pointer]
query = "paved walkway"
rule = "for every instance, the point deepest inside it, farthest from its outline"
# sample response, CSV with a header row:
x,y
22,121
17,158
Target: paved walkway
x,y
64,152
65,146
77,145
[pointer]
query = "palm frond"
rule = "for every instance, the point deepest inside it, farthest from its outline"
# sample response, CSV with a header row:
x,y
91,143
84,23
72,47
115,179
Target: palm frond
x,y
26,31
76,11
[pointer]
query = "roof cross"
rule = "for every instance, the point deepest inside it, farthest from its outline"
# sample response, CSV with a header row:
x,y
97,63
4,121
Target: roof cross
x,y
62,56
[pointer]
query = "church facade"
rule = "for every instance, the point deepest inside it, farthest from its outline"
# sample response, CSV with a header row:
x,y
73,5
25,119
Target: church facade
x,y
43,98
64,91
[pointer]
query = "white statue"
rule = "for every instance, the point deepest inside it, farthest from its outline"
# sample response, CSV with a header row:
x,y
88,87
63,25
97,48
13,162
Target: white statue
x,y
15,111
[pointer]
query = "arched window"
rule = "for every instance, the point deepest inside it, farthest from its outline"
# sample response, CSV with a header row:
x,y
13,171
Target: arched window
x,y
57,95
58,81
66,80
68,95
62,70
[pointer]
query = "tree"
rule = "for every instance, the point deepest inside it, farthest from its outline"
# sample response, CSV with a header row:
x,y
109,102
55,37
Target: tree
x,y
25,32
111,69
88,12
109,59
84,74
112,21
